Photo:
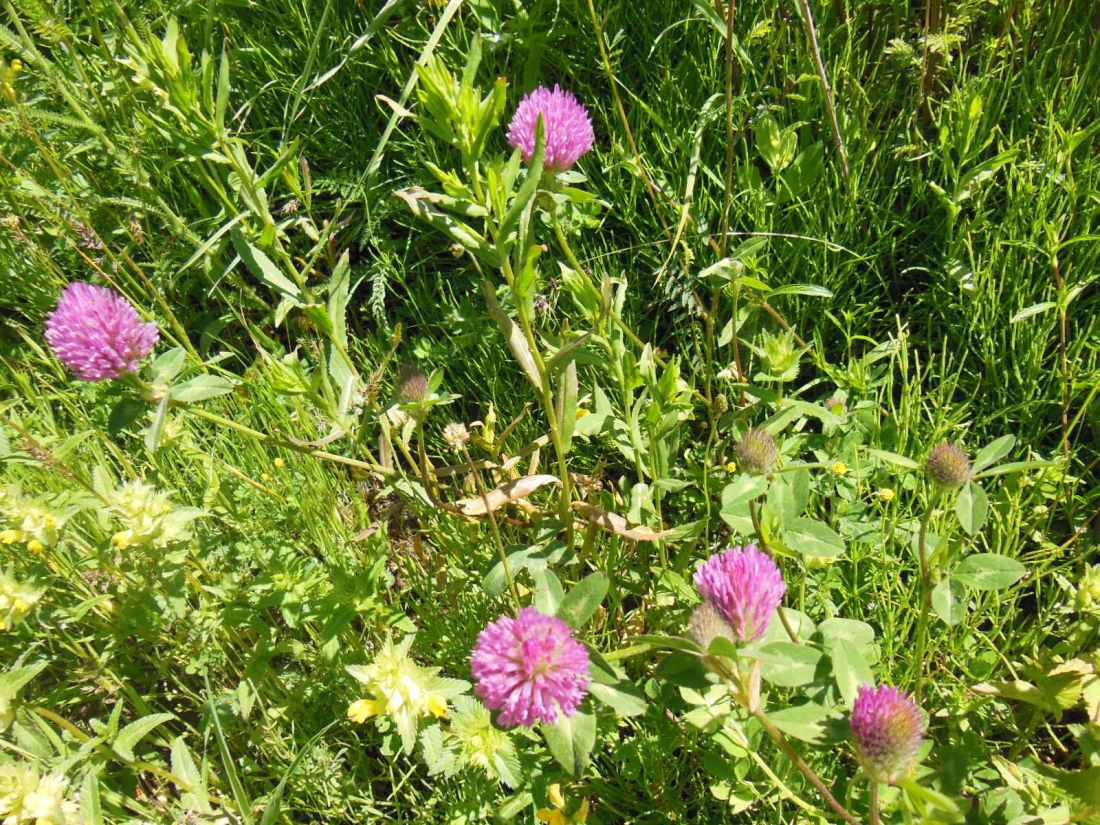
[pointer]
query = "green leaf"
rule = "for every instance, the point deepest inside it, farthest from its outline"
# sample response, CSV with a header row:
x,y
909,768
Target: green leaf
x,y
201,388
240,795
972,507
894,458
583,600
570,741
741,489
530,183
168,365
860,634
814,538
850,669
12,681
271,810
123,414
155,429
989,571
949,601
133,733
677,643
91,812
801,721
808,290
264,268
548,591
624,698
787,664
993,452
1014,467
1034,309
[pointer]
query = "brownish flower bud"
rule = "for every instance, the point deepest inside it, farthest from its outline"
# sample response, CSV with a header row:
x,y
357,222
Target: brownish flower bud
x,y
756,451
949,465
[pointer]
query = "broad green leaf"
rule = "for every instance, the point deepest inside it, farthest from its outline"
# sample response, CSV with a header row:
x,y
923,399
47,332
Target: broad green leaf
x,y
580,603
570,741
803,722
624,698
168,365
91,812
264,268
201,388
989,571
787,664
808,290
949,601
972,507
850,669
860,634
993,452
133,733
814,539
548,591
894,458
741,489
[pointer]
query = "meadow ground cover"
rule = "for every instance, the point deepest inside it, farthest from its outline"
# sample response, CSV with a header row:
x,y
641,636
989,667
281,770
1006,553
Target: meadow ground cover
x,y
556,411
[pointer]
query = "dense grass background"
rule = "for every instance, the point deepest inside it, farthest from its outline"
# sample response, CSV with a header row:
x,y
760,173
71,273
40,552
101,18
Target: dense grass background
x,y
963,207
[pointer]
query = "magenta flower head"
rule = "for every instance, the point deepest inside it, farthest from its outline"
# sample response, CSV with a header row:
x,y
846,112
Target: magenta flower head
x,y
530,668
888,728
745,586
97,334
568,127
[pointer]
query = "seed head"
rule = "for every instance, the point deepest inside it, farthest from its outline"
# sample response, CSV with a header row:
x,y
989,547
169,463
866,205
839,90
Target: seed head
x,y
756,451
949,465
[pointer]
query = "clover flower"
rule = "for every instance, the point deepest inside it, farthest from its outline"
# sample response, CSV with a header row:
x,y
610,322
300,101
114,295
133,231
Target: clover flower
x,y
456,435
17,780
16,600
756,451
745,587
97,334
412,384
888,729
530,668
568,127
27,798
949,465
402,690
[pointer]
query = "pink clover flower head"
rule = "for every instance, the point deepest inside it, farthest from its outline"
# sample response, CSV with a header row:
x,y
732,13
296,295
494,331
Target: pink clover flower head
x,y
568,127
530,668
745,586
97,333
888,728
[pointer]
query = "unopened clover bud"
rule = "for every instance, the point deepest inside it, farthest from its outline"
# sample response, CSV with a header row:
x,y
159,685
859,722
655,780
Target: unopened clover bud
x,y
1088,592
949,465
412,384
756,451
888,728
721,404
706,625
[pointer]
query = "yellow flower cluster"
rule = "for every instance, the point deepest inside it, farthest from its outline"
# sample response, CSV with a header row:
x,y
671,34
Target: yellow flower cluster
x,y
31,523
29,799
402,690
148,517
16,600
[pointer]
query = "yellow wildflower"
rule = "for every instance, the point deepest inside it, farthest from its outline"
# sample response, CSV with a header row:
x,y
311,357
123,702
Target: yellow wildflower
x,y
731,467
886,494
402,690
279,463
557,814
16,600
839,468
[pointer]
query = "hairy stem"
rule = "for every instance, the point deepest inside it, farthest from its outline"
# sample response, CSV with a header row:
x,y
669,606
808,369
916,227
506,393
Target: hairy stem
x,y
925,595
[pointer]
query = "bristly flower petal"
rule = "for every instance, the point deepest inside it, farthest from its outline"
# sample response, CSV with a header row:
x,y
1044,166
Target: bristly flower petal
x,y
568,127
745,587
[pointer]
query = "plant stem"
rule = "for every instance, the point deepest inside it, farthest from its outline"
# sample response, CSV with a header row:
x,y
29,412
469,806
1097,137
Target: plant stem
x,y
823,77
875,818
815,780
925,594
496,530
754,512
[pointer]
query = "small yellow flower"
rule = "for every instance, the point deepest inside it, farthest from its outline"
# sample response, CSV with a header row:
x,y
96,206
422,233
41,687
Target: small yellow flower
x,y
437,706
11,536
35,546
582,412
363,709
839,468
557,814
279,463
731,467
886,494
